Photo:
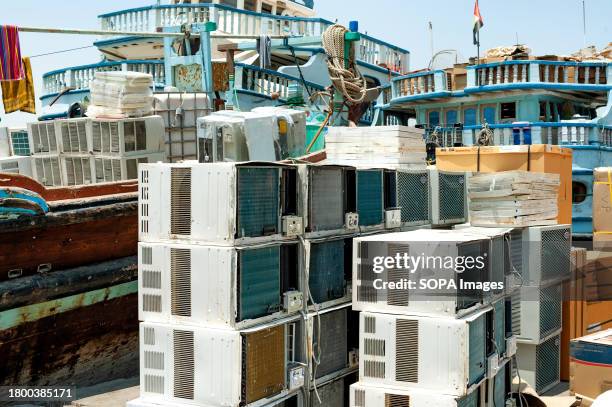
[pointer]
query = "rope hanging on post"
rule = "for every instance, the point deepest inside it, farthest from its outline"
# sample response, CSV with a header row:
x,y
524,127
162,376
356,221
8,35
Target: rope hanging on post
x,y
348,81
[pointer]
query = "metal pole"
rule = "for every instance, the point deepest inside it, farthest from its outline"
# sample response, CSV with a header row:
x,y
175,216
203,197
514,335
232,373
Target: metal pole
x,y
477,56
132,33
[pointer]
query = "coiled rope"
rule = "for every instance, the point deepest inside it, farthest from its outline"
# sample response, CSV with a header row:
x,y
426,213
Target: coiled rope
x,y
485,136
348,81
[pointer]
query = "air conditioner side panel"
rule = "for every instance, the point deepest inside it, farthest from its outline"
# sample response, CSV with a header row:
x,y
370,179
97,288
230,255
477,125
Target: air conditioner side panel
x,y
213,199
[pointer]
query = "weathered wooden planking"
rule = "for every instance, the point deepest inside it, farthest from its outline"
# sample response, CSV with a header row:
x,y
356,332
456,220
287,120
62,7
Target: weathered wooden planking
x,y
63,193
49,286
82,347
68,239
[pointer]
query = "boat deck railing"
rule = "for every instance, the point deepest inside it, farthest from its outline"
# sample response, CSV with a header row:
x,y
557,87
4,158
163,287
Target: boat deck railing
x,y
267,82
560,133
244,22
78,77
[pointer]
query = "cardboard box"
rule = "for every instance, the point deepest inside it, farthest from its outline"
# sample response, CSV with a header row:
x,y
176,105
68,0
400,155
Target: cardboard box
x,y
536,157
598,277
591,364
602,208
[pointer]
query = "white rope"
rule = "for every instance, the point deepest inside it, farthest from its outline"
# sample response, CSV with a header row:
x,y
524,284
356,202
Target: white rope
x,y
349,82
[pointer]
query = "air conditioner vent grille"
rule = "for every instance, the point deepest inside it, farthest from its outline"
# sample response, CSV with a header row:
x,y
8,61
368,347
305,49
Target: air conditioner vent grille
x,y
154,384
407,350
359,398
370,206
264,364
180,201
333,342
153,360
516,312
151,279
547,363
326,199
555,246
413,196
369,325
550,310
451,191
326,272
148,336
374,368
367,293
397,400
151,303
374,347
184,364
146,253
180,268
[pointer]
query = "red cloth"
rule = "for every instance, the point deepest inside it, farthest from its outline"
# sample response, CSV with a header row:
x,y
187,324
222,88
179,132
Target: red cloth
x,y
11,64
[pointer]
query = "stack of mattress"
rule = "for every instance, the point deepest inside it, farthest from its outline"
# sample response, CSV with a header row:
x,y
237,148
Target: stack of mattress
x,y
118,94
513,198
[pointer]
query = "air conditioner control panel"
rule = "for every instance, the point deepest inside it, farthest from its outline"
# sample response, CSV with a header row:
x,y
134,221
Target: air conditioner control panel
x,y
293,226
293,301
351,221
393,218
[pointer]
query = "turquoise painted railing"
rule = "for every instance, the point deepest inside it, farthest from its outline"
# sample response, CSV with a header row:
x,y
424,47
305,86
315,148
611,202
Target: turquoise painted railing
x,y
78,77
243,22
540,72
567,132
267,82
420,83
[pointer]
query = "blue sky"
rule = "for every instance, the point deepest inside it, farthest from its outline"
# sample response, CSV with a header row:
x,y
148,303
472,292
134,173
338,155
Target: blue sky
x,y
547,26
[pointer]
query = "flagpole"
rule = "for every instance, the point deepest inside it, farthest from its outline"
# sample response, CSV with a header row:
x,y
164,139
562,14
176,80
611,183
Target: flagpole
x,y
477,55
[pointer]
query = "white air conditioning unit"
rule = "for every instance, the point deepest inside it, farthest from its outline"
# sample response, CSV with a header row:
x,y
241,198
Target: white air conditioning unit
x,y
539,365
444,355
291,129
17,165
326,198
77,169
42,137
200,366
411,190
14,141
363,395
114,168
74,135
215,285
46,170
537,312
546,254
448,197
502,327
224,203
432,292
500,253
127,137
238,136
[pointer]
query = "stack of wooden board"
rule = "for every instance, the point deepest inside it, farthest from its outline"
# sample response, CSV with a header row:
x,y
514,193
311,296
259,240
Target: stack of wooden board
x,y
513,198
383,146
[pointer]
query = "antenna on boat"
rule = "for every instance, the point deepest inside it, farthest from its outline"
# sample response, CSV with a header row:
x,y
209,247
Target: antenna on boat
x,y
584,40
431,40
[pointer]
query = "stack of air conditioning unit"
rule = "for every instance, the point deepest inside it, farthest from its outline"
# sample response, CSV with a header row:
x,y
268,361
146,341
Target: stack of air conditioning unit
x,y
328,204
218,285
537,304
422,340
85,151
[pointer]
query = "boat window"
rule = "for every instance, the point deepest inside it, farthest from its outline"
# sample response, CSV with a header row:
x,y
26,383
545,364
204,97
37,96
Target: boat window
x,y
469,116
508,111
266,8
488,114
451,117
434,118
231,3
579,192
250,5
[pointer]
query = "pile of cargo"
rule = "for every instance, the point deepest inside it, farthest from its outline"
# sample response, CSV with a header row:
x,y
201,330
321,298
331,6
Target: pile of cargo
x,y
120,94
513,198
386,146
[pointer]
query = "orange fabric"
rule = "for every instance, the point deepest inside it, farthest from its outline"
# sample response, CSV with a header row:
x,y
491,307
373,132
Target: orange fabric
x,y
19,95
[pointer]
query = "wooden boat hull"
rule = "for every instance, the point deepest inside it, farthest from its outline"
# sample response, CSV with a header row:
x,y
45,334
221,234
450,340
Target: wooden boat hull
x,y
81,328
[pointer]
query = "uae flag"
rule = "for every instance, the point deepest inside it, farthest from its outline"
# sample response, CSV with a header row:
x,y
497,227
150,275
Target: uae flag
x,y
478,24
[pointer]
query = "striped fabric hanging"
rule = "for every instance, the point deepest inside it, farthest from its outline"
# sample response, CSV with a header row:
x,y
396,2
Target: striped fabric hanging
x,y
11,65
